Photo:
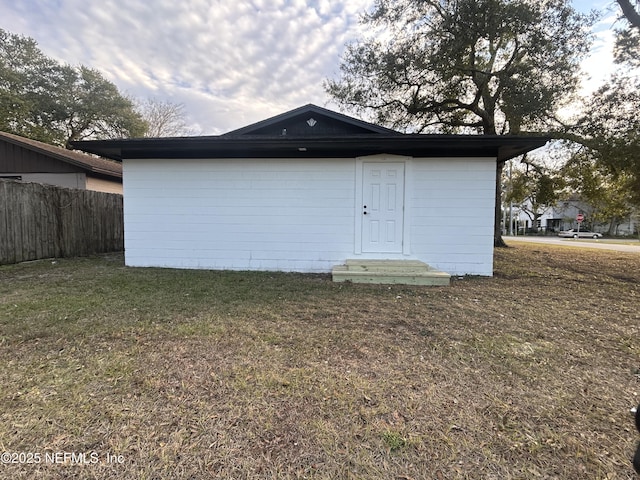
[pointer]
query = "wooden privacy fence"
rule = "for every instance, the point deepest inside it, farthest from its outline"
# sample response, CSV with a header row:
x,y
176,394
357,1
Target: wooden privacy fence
x,y
43,221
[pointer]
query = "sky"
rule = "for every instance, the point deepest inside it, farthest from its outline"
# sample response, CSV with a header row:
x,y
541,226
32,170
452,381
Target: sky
x,y
229,62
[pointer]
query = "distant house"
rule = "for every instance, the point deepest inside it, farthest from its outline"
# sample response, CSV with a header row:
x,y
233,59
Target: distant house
x,y
308,190
563,216
32,161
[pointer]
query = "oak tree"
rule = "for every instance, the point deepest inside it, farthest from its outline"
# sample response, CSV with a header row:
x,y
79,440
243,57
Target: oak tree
x,y
469,66
607,192
627,46
43,99
609,128
532,187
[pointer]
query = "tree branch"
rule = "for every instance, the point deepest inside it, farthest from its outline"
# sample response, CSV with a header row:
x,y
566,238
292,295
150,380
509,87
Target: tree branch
x,y
630,13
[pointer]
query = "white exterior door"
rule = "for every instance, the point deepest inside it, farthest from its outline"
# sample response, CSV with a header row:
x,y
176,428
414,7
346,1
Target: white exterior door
x,y
382,207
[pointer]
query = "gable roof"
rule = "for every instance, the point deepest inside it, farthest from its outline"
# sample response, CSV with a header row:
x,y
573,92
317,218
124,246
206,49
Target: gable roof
x,y
94,165
337,136
310,120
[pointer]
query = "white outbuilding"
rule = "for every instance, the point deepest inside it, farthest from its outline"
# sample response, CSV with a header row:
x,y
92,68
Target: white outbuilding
x,y
308,190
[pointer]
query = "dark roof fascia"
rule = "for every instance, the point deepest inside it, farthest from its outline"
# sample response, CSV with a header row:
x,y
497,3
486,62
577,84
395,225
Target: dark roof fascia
x,y
503,147
81,160
109,176
311,109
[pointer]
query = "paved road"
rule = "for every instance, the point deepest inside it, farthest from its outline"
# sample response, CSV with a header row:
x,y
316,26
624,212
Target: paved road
x,y
570,242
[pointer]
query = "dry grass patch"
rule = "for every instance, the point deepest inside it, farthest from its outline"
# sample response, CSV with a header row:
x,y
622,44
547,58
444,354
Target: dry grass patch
x,y
196,374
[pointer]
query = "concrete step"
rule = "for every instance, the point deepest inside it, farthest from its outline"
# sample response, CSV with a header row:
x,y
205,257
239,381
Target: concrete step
x,y
402,272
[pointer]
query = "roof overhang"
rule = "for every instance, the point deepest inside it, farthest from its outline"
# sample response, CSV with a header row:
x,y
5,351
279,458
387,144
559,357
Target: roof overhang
x,y
96,167
502,147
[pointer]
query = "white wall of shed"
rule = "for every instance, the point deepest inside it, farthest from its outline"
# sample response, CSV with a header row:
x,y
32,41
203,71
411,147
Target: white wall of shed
x,y
241,214
452,203
299,214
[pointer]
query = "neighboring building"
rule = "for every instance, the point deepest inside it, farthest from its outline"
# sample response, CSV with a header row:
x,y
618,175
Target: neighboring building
x,y
563,216
32,161
308,189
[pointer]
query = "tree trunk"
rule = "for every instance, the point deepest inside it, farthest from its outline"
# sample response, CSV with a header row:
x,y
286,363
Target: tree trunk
x,y
497,232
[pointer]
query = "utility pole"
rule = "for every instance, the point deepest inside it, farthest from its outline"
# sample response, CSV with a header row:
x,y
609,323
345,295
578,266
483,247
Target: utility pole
x,y
511,204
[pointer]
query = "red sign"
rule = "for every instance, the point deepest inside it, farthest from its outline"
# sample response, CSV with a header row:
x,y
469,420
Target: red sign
x,y
580,218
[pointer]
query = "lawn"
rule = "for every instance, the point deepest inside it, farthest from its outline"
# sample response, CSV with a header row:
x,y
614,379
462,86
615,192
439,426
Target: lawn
x,y
114,372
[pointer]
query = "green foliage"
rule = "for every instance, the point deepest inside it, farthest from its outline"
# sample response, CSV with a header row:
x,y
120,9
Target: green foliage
x,y
533,187
627,47
394,440
491,66
92,107
606,170
48,101
26,78
608,192
610,129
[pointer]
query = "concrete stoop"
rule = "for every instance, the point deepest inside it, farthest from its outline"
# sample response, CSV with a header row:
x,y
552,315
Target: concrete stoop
x,y
402,272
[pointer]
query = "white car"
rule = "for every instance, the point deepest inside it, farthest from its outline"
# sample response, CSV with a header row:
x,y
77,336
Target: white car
x,y
574,233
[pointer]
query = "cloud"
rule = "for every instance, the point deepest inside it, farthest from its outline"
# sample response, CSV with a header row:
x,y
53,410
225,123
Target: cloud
x,y
598,66
230,63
